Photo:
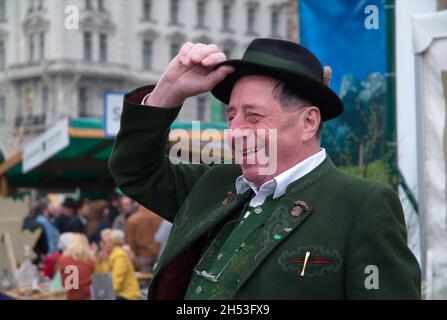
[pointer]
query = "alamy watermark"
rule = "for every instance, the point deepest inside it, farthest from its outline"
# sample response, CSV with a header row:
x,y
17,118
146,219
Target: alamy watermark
x,y
372,279
372,19
71,21
72,279
245,146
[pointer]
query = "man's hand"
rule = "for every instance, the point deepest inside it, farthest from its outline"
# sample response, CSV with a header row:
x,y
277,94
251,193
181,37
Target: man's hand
x,y
188,74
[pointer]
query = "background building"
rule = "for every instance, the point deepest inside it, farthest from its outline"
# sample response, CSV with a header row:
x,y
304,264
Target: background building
x,y
52,67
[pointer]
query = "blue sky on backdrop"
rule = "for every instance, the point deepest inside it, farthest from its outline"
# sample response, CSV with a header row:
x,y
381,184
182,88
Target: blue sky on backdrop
x,y
335,31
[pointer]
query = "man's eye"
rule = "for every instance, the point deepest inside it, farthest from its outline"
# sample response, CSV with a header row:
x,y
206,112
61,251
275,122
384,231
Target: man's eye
x,y
253,117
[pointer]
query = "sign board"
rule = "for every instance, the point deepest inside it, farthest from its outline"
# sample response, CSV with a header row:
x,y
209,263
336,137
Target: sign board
x,y
102,287
46,145
113,106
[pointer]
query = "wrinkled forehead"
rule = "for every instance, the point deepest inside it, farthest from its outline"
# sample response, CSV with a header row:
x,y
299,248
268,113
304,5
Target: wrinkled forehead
x,y
252,90
254,83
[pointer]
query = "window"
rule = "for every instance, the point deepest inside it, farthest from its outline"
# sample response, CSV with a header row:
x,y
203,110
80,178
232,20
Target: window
x,y
29,99
103,47
251,18
147,9
201,11
2,10
2,55
226,16
42,45
83,102
88,46
275,21
45,100
101,6
2,109
201,107
31,47
175,48
88,5
147,54
174,11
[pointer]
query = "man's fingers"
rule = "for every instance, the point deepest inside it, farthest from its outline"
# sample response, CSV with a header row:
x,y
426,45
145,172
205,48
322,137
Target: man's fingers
x,y
213,59
184,51
218,75
199,52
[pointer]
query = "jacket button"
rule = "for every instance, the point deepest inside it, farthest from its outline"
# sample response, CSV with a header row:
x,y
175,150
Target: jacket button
x,y
258,210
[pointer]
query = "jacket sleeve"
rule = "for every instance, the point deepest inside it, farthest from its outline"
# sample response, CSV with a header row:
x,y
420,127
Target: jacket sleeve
x,y
139,163
379,264
119,272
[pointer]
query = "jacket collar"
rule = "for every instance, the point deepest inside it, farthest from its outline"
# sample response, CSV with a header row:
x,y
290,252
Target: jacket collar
x,y
278,185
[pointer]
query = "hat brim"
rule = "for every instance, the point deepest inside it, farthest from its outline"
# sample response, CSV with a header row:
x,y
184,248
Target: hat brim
x,y
319,94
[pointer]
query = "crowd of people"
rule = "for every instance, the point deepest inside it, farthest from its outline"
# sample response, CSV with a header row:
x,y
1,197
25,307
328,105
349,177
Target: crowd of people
x,y
116,236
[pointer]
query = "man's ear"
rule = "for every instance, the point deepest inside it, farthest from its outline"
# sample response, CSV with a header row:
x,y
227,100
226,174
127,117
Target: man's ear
x,y
312,119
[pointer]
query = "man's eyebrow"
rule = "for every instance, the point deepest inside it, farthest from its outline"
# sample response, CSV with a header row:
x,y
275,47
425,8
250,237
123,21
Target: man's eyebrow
x,y
230,109
244,107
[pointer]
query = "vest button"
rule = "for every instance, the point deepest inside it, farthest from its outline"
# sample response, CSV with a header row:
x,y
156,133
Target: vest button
x,y
258,210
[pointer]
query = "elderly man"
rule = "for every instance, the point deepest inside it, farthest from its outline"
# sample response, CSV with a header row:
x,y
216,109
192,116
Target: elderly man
x,y
304,231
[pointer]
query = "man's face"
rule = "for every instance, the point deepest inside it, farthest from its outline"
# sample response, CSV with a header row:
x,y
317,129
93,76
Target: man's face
x,y
67,211
253,106
105,244
127,205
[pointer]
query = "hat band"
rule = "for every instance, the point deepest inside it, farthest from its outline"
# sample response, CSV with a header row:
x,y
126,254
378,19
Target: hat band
x,y
273,61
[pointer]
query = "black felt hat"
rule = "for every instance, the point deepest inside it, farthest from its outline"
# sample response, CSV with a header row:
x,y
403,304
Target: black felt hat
x,y
286,61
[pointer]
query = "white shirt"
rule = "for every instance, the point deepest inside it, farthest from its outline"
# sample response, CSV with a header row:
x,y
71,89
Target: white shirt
x,y
278,185
143,102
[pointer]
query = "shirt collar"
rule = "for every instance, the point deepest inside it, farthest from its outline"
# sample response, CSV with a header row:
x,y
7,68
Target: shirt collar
x,y
278,185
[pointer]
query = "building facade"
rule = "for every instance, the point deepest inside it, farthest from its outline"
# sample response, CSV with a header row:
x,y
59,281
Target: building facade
x,y
58,57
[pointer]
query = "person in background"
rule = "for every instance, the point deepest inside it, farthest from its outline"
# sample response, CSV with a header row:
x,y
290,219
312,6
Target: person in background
x,y
140,236
128,207
77,255
68,220
54,210
30,223
113,207
50,261
43,218
96,221
112,258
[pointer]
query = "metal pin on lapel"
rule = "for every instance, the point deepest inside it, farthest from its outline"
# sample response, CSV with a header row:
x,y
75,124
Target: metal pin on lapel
x,y
299,207
306,258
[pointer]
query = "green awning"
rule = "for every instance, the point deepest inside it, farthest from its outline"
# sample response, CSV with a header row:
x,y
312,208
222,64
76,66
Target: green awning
x,y
83,163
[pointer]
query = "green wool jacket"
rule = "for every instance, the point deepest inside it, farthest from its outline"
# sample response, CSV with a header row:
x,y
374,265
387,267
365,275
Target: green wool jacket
x,y
354,229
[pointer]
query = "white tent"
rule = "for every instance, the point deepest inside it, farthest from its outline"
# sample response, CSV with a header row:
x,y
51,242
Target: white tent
x,y
430,48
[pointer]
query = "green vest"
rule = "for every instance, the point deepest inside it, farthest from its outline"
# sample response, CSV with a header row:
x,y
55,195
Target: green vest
x,y
216,275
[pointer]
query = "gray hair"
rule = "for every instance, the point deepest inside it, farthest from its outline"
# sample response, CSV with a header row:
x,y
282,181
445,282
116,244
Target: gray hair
x,y
291,98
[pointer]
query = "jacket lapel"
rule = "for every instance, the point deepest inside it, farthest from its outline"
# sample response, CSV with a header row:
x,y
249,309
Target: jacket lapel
x,y
278,227
283,221
186,234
